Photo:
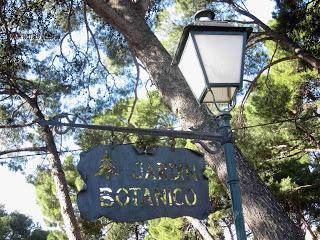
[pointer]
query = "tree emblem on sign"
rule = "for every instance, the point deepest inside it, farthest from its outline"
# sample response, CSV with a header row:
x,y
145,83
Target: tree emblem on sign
x,y
107,169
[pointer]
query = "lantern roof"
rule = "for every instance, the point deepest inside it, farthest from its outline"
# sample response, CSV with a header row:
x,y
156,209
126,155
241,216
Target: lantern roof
x,y
206,26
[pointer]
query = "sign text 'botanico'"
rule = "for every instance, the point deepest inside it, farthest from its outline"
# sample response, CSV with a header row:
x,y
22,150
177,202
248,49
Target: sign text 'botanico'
x,y
126,185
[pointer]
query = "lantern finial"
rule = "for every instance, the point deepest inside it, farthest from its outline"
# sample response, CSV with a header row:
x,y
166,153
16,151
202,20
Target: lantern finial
x,y
204,15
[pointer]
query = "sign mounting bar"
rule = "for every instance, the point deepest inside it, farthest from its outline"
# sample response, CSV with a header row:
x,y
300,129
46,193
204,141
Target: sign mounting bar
x,y
198,135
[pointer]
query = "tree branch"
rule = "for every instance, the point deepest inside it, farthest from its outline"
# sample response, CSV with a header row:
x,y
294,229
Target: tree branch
x,y
238,21
135,86
254,81
305,187
312,150
287,156
17,108
202,229
308,226
121,18
71,12
228,224
271,60
27,149
254,41
283,40
93,39
19,125
308,135
9,92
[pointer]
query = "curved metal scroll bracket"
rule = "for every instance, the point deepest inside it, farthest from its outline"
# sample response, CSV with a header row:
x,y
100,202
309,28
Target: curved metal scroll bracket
x,y
56,121
212,148
229,106
60,117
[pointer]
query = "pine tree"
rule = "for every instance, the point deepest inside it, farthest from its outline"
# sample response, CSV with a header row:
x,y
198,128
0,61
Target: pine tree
x,y
17,226
283,140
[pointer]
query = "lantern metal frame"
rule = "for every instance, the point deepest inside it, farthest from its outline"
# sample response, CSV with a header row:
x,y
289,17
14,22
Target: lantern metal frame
x,y
212,28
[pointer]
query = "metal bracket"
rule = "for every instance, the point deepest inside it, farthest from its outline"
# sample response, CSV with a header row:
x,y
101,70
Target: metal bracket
x,y
59,118
57,124
215,144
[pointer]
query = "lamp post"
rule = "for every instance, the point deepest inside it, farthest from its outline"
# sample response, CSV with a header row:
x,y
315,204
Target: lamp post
x,y
210,55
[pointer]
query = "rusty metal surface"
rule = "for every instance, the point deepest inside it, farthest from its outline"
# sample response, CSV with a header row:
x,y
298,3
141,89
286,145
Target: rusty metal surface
x,y
126,185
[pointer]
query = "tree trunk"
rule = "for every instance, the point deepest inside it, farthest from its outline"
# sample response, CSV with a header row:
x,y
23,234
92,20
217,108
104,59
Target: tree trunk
x,y
70,221
262,213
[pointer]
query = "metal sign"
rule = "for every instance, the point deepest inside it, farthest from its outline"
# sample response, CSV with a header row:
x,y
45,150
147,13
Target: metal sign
x,y
126,185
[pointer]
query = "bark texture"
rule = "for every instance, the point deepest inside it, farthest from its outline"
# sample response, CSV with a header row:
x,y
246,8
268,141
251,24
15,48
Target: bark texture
x,y
70,222
262,213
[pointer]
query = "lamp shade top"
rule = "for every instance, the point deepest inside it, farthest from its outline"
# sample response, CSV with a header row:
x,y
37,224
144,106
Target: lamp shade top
x,y
207,26
210,55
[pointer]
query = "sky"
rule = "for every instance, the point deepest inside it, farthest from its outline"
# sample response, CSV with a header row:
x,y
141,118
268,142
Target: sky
x,y
17,195
261,8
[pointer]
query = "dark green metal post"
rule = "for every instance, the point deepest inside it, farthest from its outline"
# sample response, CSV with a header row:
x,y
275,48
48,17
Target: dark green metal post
x,y
233,179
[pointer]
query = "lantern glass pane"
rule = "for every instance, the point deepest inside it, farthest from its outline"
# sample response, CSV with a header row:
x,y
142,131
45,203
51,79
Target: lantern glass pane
x,y
221,55
191,69
221,95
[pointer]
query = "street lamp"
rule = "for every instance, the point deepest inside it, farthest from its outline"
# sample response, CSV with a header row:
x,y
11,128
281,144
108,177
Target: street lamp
x,y
210,55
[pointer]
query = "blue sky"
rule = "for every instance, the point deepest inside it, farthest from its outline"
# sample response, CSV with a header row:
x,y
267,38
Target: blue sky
x,y
17,194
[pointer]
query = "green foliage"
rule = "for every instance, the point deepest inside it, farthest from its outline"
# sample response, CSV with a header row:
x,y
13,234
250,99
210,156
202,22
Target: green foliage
x,y
171,20
165,228
220,202
119,231
38,234
33,67
57,235
148,113
45,192
46,198
299,20
17,226
168,228
284,145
